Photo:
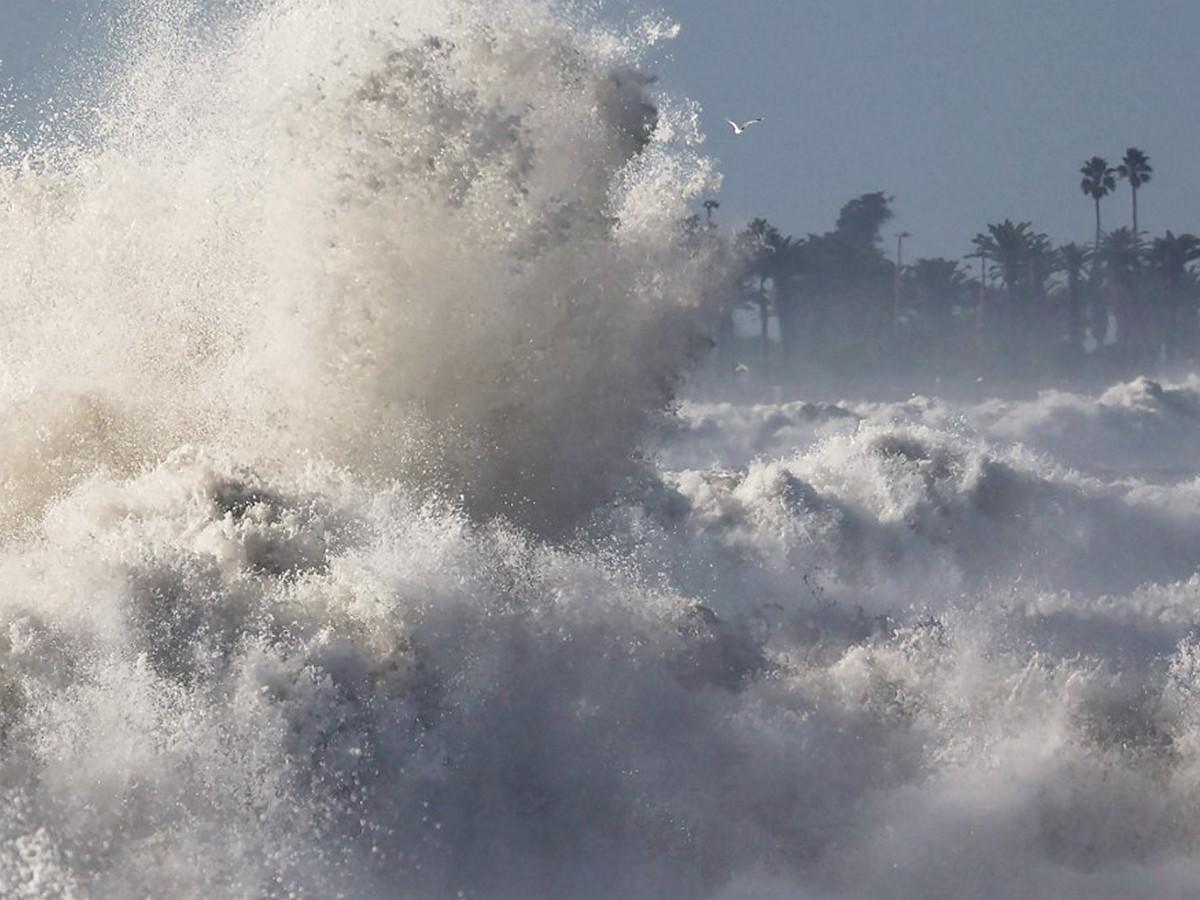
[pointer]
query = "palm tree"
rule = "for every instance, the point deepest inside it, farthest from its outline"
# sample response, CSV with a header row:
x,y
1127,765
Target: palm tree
x,y
1135,168
1121,255
769,254
1074,257
1173,253
1121,258
1025,261
790,264
1041,263
1171,256
1098,182
940,286
980,254
1008,245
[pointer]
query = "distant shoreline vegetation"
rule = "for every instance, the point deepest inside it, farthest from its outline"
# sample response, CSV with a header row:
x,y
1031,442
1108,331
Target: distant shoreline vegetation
x,y
1123,301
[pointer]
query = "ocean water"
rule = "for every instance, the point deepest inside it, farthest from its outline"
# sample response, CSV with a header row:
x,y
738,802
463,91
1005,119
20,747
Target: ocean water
x,y
352,547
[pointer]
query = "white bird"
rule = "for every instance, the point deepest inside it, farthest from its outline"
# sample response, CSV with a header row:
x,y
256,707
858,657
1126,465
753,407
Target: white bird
x,y
740,129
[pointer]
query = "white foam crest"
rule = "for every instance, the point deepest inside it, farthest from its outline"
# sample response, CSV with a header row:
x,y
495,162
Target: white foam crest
x,y
1142,424
1142,427
214,684
890,514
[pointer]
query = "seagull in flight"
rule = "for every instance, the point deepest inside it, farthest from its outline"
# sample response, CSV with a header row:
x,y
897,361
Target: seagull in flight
x,y
740,129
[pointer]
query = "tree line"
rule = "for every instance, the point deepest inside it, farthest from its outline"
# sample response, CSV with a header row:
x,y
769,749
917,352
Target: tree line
x,y
1124,300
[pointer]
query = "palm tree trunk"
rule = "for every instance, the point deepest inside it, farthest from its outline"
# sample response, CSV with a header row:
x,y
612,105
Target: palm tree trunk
x,y
1171,333
1074,313
1097,199
764,325
787,314
1135,222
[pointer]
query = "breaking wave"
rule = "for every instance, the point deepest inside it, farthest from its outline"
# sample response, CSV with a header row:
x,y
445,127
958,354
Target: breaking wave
x,y
426,240
346,551
1140,427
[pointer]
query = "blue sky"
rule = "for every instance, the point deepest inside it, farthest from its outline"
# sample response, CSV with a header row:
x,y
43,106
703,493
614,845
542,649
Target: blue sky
x,y
968,112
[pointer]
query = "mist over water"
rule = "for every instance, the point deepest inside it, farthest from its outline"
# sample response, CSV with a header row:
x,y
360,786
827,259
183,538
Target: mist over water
x,y
351,548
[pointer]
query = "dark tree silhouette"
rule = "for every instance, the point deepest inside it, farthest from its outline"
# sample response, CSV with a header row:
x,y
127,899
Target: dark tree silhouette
x,y
824,280
1135,168
1074,258
1172,253
768,253
1170,257
1007,244
861,221
980,254
1121,258
842,305
1098,182
1025,260
1041,263
940,287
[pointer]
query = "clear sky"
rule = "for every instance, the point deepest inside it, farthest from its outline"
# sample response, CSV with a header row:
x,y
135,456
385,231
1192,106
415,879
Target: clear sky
x,y
967,111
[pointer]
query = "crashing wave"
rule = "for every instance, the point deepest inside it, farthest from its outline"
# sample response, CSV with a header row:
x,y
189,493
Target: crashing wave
x,y
435,242
321,338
